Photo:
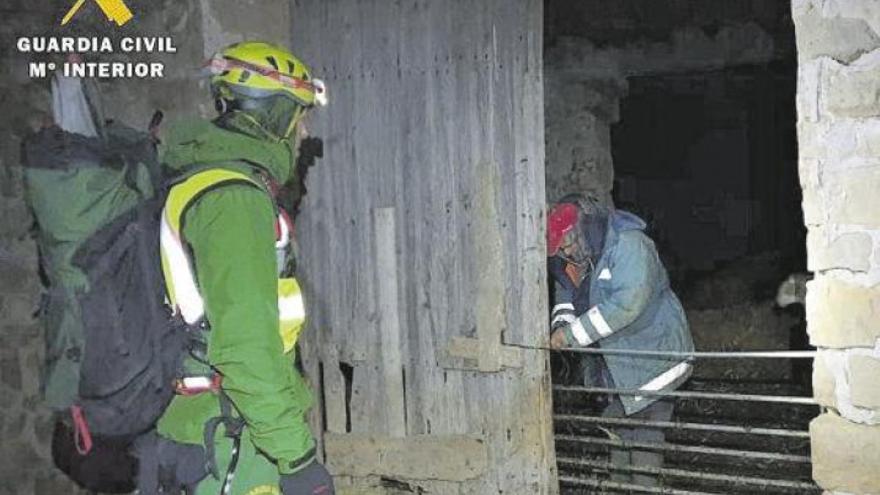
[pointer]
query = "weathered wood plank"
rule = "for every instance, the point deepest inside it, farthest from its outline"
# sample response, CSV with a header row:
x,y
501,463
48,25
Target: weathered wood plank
x,y
437,110
419,457
391,359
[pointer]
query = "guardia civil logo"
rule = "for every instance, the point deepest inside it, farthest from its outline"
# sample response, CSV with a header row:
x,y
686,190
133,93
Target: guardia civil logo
x,y
81,56
115,10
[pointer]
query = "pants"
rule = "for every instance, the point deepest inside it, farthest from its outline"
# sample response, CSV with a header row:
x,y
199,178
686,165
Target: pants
x,y
183,460
658,411
184,469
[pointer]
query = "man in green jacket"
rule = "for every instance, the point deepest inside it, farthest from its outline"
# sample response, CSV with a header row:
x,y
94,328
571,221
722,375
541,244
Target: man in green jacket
x,y
237,425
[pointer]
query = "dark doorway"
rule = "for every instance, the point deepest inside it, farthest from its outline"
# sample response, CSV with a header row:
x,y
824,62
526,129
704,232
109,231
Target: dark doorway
x,y
683,112
709,159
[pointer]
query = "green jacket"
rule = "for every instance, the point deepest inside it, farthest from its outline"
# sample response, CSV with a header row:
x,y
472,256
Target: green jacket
x,y
230,231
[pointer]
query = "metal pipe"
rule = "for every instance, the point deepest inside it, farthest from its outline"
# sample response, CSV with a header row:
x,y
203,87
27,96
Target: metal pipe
x,y
684,425
692,449
719,354
626,487
683,473
780,399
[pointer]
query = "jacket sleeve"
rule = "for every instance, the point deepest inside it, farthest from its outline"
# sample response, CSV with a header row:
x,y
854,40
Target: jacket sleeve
x,y
563,294
633,269
231,233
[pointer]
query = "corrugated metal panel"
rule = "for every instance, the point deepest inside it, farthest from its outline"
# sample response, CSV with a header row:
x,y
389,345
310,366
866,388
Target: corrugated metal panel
x,y
436,111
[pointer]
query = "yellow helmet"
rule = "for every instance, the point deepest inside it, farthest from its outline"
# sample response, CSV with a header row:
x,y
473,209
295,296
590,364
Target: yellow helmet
x,y
254,69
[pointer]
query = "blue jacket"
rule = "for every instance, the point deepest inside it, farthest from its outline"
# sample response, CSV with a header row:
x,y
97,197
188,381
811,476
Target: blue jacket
x,y
628,304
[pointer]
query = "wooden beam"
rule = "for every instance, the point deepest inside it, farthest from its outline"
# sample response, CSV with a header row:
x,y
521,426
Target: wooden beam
x,y
389,320
418,457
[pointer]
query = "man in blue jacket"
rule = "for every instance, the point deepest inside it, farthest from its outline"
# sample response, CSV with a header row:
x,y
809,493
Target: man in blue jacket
x,y
613,292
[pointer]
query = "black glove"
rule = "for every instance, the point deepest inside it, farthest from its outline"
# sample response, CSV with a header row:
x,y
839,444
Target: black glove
x,y
310,480
310,148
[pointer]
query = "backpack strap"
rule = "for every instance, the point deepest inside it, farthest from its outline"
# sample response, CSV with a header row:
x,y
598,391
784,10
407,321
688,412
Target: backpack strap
x,y
180,282
234,425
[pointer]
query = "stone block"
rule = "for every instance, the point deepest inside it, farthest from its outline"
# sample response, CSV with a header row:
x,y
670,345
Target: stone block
x,y
852,91
18,279
864,376
846,455
840,38
24,452
16,220
851,196
54,482
867,10
15,426
20,309
228,22
823,383
44,425
850,251
20,251
810,146
845,143
807,99
812,206
840,314
182,22
10,368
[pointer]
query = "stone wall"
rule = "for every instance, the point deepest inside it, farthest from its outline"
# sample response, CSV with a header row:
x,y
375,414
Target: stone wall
x,y
579,115
25,427
839,136
198,28
586,76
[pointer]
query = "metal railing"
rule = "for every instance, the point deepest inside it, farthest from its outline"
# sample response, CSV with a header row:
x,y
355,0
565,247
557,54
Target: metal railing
x,y
583,471
780,399
626,487
682,425
691,449
684,473
693,354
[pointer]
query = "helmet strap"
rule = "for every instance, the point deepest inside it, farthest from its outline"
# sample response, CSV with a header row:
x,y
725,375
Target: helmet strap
x,y
297,117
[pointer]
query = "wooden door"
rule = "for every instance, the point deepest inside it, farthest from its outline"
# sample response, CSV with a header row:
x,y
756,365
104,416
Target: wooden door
x,y
422,245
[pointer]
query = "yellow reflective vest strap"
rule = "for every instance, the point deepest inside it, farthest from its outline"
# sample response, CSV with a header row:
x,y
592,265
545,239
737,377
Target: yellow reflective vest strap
x,y
182,290
182,194
291,311
180,284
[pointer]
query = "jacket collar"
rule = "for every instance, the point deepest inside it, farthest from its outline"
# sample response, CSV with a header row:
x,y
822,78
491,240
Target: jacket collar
x,y
200,142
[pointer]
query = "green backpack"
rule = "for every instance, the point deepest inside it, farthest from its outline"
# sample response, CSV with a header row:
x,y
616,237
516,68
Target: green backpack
x,y
75,186
113,350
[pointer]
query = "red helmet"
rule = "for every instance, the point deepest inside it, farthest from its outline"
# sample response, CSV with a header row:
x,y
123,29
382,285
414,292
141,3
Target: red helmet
x,y
561,219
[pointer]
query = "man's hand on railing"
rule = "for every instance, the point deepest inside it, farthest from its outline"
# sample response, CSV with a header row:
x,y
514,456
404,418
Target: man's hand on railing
x,y
559,339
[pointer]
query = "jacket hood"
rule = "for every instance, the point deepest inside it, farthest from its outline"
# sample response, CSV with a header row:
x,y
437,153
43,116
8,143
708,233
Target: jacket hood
x,y
197,142
622,221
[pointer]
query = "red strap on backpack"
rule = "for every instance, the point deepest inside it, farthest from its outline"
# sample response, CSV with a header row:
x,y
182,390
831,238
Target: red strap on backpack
x,y
82,437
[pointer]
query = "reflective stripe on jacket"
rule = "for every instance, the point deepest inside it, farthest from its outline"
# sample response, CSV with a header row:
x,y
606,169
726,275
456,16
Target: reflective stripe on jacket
x,y
631,306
